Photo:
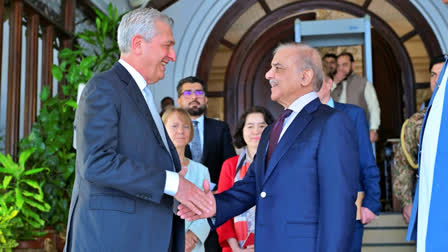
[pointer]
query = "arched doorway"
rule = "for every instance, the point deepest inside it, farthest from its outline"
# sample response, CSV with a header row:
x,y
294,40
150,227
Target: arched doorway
x,y
248,61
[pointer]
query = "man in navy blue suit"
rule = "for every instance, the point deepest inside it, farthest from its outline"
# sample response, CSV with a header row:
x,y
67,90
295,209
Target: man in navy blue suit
x,y
126,166
304,179
369,191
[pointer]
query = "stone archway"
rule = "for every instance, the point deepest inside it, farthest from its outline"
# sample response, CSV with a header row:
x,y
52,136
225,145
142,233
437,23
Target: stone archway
x,y
237,98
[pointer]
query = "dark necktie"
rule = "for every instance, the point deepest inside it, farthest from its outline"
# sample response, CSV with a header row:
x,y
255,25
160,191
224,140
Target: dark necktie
x,y
275,133
195,145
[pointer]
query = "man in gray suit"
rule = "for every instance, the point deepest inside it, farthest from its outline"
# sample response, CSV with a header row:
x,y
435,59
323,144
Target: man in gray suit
x,y
126,166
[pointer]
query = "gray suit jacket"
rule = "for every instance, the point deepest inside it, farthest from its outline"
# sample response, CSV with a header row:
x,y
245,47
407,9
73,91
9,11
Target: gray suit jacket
x,y
118,202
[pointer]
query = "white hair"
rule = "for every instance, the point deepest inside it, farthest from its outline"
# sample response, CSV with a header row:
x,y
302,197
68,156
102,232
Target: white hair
x,y
139,22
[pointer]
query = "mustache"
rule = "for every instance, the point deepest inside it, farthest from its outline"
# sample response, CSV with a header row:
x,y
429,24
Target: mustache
x,y
197,103
272,81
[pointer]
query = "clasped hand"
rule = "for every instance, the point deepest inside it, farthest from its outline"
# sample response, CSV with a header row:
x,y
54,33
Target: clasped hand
x,y
195,205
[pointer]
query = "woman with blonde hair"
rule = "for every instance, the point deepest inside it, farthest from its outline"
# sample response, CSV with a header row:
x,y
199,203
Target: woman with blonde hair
x,y
180,130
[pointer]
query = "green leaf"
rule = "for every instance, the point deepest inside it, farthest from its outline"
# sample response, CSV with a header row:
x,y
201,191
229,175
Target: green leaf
x,y
98,24
33,184
19,198
24,156
87,39
38,197
65,53
43,207
35,170
7,162
6,181
57,72
71,103
8,171
44,93
105,26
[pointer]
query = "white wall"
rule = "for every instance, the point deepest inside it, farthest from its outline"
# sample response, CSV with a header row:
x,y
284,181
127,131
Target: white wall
x,y
435,13
193,22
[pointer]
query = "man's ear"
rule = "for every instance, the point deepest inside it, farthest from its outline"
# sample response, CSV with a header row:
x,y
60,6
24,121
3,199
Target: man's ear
x,y
307,77
330,82
137,43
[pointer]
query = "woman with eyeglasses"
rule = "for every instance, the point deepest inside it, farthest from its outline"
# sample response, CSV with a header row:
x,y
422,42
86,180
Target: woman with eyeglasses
x,y
180,130
233,233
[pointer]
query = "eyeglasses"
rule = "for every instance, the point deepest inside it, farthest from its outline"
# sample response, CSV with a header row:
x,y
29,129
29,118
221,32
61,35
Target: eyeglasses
x,y
188,93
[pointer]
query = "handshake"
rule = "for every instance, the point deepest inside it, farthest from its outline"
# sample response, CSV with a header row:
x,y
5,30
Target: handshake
x,y
195,203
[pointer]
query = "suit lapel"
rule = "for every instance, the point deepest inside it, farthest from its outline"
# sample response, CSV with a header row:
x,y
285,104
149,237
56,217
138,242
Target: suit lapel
x,y
261,150
207,132
137,97
174,155
290,135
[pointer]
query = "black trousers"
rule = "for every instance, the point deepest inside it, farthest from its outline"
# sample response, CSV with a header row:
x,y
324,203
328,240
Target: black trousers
x,y
212,243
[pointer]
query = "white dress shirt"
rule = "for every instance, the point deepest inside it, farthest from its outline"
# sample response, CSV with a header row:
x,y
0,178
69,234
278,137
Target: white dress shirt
x,y
296,107
172,178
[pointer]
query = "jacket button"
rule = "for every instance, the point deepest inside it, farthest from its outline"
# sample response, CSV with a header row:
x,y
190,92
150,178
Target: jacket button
x,y
263,194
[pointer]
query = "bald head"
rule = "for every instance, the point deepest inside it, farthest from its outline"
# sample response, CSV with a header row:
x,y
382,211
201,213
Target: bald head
x,y
306,58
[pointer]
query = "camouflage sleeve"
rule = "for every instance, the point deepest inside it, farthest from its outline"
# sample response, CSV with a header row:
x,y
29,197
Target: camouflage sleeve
x,y
405,160
403,178
410,136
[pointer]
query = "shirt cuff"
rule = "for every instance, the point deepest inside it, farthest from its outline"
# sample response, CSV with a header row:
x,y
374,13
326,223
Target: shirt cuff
x,y
171,183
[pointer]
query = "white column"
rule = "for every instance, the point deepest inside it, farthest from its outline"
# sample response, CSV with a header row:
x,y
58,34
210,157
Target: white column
x,y
435,13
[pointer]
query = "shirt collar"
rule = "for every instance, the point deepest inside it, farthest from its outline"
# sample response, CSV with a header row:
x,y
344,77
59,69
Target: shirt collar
x,y
141,83
200,120
330,102
302,101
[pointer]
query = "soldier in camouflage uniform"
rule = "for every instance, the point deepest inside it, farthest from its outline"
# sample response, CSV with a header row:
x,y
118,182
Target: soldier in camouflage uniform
x,y
406,162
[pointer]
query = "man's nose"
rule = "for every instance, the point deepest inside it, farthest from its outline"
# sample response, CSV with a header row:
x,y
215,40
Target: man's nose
x,y
172,54
268,74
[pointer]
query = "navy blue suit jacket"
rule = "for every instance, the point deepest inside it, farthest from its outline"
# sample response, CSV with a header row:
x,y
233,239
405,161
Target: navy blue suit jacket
x,y
305,197
369,177
118,201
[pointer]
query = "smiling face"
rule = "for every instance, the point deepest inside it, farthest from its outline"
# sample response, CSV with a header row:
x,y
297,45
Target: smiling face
x,y
345,66
284,76
253,127
179,130
157,53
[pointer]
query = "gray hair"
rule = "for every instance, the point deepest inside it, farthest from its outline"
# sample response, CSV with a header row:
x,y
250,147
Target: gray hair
x,y
139,22
307,58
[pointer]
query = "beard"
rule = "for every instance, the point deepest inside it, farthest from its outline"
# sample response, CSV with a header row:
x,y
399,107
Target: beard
x,y
197,111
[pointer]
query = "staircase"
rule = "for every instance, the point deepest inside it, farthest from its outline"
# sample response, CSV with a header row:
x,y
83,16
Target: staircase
x,y
387,233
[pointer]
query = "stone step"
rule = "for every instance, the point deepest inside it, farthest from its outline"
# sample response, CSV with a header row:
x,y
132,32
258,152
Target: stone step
x,y
388,220
389,249
387,233
378,236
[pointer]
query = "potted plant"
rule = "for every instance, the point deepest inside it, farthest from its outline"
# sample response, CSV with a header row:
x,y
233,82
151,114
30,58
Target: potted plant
x,y
52,133
21,201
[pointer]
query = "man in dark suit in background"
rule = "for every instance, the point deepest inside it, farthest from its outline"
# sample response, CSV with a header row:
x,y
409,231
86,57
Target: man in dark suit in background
x,y
126,166
305,176
212,142
368,203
